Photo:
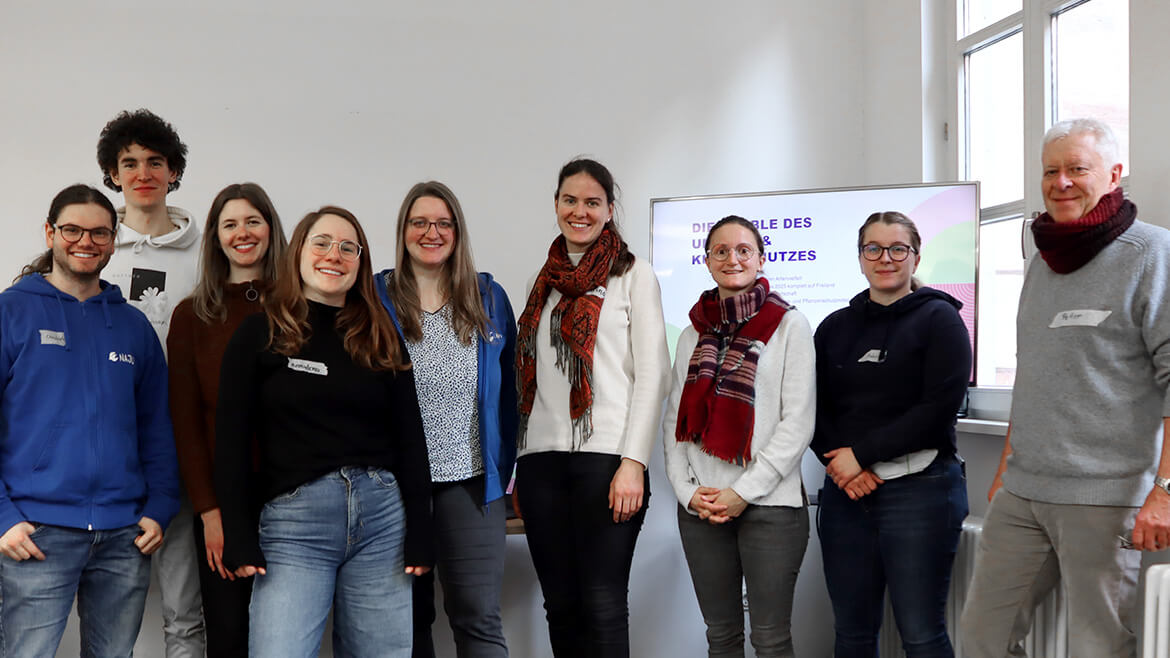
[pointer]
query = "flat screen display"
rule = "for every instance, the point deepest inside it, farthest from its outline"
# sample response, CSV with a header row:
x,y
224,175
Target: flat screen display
x,y
810,244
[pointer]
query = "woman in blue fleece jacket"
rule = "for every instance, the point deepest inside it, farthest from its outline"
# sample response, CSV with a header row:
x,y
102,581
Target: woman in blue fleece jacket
x,y
892,368
461,335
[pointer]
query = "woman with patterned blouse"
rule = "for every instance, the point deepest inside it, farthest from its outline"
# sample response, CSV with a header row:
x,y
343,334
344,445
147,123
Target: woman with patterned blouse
x,y
461,335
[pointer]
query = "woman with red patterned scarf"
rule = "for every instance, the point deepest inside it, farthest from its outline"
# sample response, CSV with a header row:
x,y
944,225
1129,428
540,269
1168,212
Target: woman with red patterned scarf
x,y
592,369
739,417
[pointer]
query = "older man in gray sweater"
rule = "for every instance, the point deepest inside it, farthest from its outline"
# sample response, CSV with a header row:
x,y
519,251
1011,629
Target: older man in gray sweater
x,y
1082,485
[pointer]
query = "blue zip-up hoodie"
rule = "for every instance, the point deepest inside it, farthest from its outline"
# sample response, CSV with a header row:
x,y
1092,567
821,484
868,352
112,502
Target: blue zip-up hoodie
x,y
85,432
496,378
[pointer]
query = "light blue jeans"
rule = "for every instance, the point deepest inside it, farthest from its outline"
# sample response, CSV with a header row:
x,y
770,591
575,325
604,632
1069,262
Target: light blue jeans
x,y
337,540
102,568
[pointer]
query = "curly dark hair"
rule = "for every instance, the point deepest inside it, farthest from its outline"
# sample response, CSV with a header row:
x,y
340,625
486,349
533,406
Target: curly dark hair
x,y
146,129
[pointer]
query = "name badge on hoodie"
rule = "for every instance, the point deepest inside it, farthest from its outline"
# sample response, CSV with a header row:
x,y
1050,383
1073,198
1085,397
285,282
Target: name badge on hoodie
x,y
1079,318
50,337
311,367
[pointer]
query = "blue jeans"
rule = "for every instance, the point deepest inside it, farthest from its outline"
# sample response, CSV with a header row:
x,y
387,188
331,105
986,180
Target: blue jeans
x,y
337,540
903,535
103,568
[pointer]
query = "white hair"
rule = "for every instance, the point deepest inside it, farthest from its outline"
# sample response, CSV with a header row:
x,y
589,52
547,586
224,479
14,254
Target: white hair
x,y
1104,141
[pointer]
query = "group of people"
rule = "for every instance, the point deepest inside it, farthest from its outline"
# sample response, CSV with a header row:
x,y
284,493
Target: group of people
x,y
344,435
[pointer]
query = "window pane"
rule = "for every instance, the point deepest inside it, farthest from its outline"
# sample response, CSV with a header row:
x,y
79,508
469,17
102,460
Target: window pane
x,y
981,13
995,122
1001,273
1092,66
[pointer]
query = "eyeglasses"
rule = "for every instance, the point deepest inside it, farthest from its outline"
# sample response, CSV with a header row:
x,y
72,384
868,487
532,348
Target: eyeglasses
x,y
424,225
72,233
898,252
722,253
348,249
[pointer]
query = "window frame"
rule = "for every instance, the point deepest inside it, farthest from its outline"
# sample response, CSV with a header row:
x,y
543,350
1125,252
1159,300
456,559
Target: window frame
x,y
1036,20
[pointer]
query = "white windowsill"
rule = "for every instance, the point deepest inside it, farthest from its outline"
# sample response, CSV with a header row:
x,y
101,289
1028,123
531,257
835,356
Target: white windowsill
x,y
978,426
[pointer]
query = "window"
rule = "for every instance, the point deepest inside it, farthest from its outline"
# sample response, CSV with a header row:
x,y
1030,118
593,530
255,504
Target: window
x,y
1022,65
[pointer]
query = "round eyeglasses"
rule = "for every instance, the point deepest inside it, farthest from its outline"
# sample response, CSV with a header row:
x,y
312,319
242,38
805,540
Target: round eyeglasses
x,y
897,252
71,233
722,252
348,249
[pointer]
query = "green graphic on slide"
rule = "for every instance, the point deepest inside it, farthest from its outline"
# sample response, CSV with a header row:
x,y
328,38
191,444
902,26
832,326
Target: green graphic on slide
x,y
950,256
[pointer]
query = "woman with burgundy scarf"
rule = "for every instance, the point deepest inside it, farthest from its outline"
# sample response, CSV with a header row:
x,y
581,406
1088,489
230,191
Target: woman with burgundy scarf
x,y
738,420
592,369
892,369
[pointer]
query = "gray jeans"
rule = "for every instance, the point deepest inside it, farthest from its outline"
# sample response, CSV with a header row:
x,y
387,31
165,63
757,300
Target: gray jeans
x,y
1024,543
763,547
470,565
176,568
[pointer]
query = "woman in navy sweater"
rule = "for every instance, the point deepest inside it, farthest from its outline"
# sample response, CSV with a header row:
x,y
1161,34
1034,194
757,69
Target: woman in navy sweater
x,y
892,369
324,384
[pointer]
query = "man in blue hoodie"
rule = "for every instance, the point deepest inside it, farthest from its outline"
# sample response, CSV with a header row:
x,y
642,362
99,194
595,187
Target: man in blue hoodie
x,y
88,477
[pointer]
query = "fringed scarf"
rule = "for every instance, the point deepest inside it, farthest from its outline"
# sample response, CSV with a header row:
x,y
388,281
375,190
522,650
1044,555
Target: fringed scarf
x,y
717,408
573,331
1066,246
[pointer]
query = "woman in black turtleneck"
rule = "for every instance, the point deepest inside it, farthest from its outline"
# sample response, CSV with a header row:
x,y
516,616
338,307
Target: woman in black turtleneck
x,y
324,384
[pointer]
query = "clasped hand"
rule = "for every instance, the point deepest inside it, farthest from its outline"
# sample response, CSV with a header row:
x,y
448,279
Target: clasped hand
x,y
848,475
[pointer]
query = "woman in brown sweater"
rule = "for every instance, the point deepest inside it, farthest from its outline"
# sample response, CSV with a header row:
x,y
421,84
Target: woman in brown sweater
x,y
242,244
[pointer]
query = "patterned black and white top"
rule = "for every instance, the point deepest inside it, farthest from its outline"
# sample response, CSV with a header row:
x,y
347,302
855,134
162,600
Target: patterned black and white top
x,y
445,378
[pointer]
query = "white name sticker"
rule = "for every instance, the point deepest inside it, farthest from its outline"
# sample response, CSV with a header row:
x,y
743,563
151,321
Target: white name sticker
x,y
872,356
50,337
311,367
1079,318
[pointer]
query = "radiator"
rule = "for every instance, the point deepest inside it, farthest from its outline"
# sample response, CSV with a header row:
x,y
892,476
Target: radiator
x,y
1156,626
1048,637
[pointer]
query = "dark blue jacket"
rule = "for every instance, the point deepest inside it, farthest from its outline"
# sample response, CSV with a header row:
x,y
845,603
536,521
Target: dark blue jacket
x,y
498,418
891,378
85,431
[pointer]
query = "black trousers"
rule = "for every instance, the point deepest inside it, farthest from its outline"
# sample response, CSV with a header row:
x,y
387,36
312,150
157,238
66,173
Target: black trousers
x,y
225,605
582,557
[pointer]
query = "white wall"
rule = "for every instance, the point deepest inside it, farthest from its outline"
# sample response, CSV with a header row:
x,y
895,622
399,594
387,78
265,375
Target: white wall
x,y
1149,96
352,102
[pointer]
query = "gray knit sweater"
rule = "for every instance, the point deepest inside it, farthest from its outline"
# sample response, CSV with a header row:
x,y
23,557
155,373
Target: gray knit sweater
x,y
1093,375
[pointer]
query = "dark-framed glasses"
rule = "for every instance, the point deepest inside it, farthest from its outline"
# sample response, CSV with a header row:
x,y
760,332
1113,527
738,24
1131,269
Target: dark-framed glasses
x,y
423,225
72,233
722,252
898,252
348,249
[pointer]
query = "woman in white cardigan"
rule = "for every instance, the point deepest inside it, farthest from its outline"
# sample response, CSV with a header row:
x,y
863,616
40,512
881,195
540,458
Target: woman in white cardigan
x,y
592,370
739,417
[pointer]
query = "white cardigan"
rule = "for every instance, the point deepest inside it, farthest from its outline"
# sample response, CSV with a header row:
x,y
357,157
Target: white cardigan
x,y
631,372
785,412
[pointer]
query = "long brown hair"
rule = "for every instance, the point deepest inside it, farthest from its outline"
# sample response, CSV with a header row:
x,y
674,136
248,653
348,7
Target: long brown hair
x,y
207,298
369,335
459,282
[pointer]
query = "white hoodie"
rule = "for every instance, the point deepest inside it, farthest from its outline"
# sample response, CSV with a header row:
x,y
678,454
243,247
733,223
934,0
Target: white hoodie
x,y
156,273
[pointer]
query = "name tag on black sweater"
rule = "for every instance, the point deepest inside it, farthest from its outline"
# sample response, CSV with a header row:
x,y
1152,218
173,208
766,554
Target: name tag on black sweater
x,y
311,367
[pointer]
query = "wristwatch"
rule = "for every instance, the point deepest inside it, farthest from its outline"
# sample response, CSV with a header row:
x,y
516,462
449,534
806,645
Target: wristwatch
x,y
1162,483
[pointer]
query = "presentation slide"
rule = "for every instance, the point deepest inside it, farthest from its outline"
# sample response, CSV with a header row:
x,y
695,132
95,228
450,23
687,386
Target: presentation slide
x,y
810,243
